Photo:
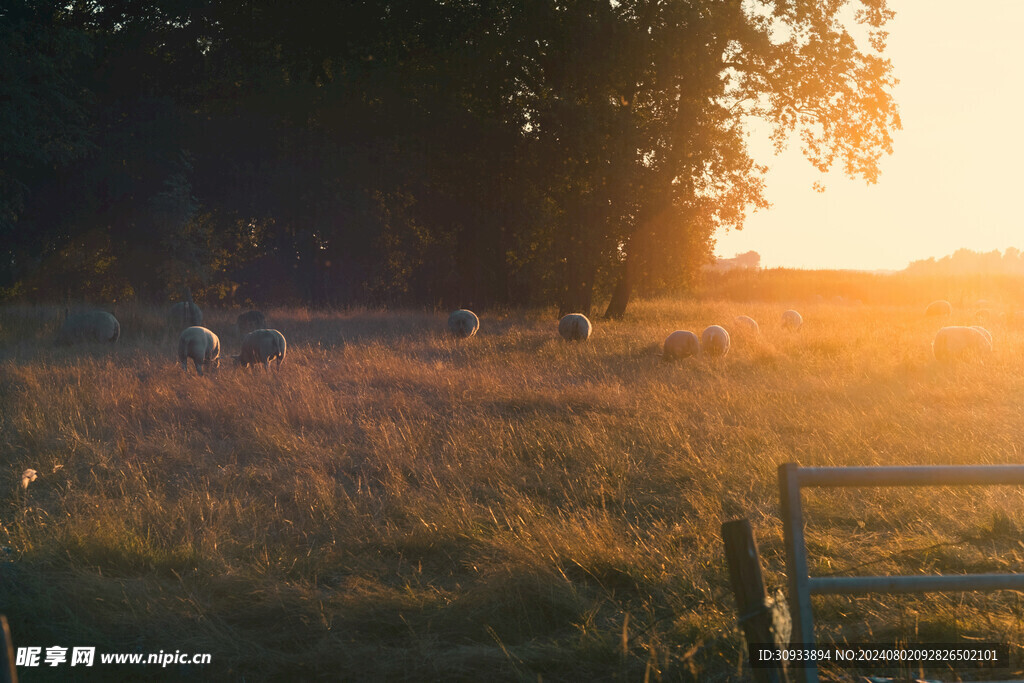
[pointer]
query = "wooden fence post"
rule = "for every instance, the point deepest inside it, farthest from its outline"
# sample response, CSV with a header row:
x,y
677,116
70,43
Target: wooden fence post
x,y
755,616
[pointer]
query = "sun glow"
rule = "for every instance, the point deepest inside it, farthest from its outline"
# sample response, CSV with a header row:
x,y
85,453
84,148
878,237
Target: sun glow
x,y
953,178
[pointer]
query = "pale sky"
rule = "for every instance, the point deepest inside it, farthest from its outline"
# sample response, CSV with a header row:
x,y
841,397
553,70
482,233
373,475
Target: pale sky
x,y
955,176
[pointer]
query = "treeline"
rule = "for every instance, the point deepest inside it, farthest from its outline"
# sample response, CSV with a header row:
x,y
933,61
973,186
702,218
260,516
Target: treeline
x,y
445,152
965,261
1002,291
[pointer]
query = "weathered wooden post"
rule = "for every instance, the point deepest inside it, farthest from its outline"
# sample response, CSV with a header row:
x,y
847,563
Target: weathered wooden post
x,y
7,672
755,614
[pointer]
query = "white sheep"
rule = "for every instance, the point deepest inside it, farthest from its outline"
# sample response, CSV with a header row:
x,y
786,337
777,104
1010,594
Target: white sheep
x,y
575,327
201,345
463,323
681,344
792,319
955,343
90,326
714,341
185,314
745,323
249,321
988,335
939,308
261,347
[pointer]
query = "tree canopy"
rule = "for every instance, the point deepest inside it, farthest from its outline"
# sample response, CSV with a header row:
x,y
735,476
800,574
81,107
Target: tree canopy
x,y
446,152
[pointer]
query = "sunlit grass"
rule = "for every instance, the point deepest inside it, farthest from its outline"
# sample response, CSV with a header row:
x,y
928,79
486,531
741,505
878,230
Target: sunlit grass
x,y
397,504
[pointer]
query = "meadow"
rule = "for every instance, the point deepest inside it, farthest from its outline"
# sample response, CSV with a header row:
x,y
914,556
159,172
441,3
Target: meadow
x,y
399,505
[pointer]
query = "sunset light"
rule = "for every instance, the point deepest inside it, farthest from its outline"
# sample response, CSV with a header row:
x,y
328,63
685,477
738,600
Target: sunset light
x,y
490,340
954,178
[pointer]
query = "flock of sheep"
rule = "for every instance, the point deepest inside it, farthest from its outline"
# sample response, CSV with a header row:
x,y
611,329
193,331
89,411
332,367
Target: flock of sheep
x,y
714,341
260,345
950,343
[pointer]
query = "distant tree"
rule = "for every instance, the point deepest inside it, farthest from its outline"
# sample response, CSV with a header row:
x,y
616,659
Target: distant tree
x,y
966,261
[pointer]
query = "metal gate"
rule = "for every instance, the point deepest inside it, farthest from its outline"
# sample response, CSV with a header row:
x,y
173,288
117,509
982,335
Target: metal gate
x,y
792,478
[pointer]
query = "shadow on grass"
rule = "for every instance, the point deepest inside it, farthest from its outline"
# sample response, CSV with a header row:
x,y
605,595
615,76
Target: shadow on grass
x,y
512,623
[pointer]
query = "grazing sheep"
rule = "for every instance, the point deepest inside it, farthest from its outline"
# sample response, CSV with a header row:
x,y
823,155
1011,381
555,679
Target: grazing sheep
x,y
792,319
714,341
185,314
747,324
249,321
982,316
91,326
262,346
681,344
201,345
955,343
463,323
988,335
575,327
939,308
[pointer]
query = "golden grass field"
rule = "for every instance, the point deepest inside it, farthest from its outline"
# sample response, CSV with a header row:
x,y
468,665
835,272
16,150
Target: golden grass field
x,y
398,505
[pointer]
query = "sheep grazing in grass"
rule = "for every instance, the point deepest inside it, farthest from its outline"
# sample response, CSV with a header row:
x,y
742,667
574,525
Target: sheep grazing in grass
x,y
982,316
681,344
463,323
714,341
91,326
792,319
185,314
201,345
988,335
939,308
251,320
261,347
957,343
575,327
744,323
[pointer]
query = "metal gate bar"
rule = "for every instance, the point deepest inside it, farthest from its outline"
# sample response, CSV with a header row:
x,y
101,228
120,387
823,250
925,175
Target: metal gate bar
x,y
792,478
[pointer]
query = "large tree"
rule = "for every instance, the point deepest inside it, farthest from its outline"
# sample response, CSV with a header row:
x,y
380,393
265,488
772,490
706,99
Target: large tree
x,y
644,106
464,152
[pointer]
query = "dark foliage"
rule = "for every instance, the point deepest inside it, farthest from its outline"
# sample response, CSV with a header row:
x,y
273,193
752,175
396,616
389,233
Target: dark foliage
x,y
467,153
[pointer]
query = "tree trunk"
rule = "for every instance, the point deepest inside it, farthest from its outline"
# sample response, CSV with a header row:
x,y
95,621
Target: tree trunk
x,y
633,269
623,290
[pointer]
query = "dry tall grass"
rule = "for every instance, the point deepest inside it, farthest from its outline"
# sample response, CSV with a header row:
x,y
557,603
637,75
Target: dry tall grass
x,y
399,505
